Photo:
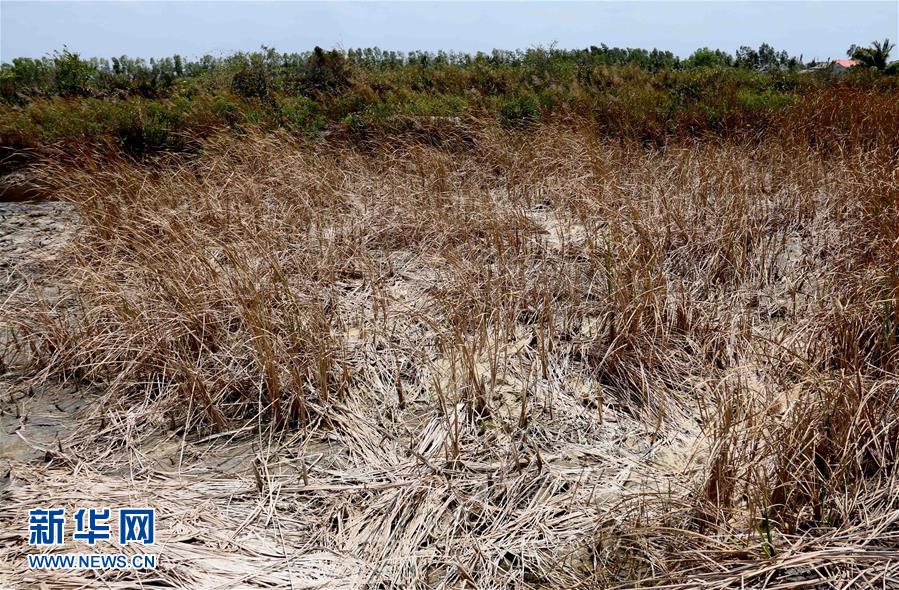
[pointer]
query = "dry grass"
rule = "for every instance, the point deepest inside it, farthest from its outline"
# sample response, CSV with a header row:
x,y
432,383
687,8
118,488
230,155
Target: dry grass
x,y
531,360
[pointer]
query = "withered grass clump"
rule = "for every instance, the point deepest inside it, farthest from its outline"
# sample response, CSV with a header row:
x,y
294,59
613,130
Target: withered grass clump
x,y
578,361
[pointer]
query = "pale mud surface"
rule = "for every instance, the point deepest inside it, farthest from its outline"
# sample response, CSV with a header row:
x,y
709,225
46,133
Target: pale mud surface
x,y
32,419
340,508
31,235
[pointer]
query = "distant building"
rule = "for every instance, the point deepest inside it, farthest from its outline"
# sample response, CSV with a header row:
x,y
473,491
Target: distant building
x,y
838,66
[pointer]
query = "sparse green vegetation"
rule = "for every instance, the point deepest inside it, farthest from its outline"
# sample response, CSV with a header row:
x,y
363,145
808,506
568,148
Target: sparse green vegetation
x,y
147,107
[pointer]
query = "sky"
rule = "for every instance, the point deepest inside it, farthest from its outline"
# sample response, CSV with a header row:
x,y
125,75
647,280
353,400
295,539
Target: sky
x,y
817,30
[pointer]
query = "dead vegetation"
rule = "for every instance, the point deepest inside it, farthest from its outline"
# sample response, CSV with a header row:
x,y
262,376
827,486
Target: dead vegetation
x,y
533,359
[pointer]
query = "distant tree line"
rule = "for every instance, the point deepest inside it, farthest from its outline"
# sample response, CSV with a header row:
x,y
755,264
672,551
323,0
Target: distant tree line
x,y
168,104
67,74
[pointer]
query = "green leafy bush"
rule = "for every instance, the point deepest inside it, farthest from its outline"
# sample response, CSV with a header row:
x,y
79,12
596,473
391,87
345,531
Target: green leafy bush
x,y
300,114
519,110
252,78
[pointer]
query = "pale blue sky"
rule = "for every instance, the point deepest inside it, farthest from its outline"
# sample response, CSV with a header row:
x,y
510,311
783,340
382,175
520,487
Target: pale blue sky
x,y
152,29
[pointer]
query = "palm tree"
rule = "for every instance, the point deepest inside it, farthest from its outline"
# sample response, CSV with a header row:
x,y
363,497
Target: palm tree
x,y
875,56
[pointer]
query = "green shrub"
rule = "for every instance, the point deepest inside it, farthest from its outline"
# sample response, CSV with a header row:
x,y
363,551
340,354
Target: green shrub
x,y
252,78
227,111
17,129
766,100
354,122
324,72
300,114
519,110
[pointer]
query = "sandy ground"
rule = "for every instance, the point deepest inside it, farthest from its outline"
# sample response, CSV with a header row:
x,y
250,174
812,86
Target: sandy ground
x,y
308,510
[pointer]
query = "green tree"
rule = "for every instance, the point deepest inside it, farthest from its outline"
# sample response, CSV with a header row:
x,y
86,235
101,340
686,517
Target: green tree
x,y
327,71
705,57
73,74
874,56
